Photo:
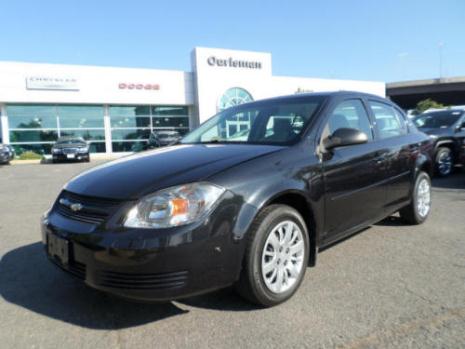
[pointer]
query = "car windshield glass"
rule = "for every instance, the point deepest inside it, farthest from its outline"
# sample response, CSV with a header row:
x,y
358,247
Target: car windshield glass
x,y
269,122
71,141
438,119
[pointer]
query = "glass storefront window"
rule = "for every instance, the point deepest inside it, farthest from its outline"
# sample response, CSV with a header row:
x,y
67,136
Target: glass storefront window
x,y
80,116
37,127
124,134
44,148
137,122
97,147
31,116
33,136
128,146
88,135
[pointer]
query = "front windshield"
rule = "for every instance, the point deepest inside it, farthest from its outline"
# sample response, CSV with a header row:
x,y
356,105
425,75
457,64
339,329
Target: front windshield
x,y
71,141
270,122
437,119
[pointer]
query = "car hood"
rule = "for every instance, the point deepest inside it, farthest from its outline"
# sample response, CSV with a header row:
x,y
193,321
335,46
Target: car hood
x,y
69,145
137,175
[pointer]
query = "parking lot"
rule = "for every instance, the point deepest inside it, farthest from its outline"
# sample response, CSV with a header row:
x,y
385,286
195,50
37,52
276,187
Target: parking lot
x,y
390,286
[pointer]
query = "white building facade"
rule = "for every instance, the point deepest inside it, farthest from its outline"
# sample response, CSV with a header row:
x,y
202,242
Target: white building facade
x,y
116,109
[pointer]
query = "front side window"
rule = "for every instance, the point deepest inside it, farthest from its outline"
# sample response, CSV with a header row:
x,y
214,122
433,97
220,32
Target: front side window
x,y
349,114
388,122
270,122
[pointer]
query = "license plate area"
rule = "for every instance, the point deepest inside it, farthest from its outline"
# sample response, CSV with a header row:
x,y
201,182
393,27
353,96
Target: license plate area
x,y
58,248
70,156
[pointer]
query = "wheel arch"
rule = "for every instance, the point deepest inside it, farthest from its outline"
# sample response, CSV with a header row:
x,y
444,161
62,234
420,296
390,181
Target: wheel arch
x,y
298,201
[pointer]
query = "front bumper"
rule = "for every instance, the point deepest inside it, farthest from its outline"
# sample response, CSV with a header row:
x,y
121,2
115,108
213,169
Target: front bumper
x,y
150,265
70,157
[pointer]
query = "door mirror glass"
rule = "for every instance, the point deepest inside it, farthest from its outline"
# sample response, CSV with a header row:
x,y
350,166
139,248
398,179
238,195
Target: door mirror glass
x,y
343,137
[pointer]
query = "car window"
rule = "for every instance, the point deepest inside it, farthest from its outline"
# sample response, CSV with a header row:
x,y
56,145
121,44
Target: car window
x,y
388,121
442,119
278,122
349,114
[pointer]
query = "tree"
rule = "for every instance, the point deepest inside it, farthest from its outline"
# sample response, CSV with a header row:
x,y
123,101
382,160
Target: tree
x,y
426,104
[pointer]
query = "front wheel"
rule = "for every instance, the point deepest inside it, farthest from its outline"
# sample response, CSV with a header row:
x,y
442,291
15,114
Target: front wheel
x,y
419,208
276,256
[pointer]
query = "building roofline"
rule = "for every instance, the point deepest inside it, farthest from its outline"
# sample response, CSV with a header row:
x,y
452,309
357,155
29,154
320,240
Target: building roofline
x,y
426,82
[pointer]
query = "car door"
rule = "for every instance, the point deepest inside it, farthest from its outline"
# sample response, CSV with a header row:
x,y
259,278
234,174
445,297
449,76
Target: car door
x,y
353,174
395,144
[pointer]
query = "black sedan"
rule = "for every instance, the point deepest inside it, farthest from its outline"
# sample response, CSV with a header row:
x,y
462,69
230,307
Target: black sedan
x,y
251,210
70,149
447,130
7,154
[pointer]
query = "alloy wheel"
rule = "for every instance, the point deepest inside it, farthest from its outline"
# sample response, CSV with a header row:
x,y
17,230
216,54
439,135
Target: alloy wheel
x,y
423,197
445,164
283,256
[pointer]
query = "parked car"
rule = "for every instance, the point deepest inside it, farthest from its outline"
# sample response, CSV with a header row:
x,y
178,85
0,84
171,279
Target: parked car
x,y
70,148
216,210
163,138
446,128
7,153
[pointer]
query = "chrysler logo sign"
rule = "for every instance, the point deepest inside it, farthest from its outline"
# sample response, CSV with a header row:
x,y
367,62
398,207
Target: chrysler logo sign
x,y
233,63
51,83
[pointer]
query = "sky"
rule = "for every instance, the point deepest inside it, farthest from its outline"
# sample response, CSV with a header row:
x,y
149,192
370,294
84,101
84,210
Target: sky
x,y
390,40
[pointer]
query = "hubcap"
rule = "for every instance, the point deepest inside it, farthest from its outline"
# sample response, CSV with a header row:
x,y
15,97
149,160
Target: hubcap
x,y
283,256
423,197
445,164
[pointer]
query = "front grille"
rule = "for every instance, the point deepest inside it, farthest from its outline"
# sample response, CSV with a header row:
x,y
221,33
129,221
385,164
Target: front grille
x,y
143,281
84,208
78,270
70,150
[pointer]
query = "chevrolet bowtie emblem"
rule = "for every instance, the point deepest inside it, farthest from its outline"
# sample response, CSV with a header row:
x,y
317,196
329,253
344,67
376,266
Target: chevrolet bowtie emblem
x,y
72,206
75,207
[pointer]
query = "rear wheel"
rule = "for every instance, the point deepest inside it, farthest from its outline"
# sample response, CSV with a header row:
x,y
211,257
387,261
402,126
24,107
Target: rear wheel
x,y
444,162
418,210
276,256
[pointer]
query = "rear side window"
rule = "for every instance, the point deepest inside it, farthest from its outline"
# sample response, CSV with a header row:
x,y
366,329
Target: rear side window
x,y
389,122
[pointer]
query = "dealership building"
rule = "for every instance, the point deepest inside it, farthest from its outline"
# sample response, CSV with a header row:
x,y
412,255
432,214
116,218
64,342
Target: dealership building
x,y
116,109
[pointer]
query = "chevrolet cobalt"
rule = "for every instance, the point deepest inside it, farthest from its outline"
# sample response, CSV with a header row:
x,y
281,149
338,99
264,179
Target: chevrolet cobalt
x,y
247,199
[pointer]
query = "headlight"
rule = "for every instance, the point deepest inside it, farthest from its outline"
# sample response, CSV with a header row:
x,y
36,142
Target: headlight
x,y
433,136
56,151
174,206
83,150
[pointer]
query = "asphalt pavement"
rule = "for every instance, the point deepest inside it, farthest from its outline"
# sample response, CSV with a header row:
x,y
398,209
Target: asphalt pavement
x,y
390,286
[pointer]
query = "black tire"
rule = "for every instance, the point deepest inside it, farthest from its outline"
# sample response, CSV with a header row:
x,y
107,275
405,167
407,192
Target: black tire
x,y
251,284
410,214
444,162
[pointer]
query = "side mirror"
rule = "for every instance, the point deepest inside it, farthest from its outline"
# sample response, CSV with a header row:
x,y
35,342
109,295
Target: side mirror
x,y
343,137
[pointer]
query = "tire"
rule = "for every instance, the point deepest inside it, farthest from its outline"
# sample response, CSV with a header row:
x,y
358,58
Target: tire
x,y
444,162
415,213
289,259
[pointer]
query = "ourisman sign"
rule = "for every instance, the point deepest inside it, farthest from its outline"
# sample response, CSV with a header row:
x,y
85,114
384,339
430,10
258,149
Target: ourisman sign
x,y
234,63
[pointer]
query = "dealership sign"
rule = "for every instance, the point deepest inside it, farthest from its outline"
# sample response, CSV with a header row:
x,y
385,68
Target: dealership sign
x,y
138,86
51,83
233,63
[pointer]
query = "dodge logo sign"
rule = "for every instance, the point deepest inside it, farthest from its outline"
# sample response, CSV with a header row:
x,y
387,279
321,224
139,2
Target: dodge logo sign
x,y
138,86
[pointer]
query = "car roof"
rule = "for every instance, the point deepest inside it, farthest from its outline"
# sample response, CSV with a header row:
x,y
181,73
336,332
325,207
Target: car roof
x,y
298,96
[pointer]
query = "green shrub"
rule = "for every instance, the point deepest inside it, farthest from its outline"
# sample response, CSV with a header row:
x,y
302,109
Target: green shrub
x,y
30,155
